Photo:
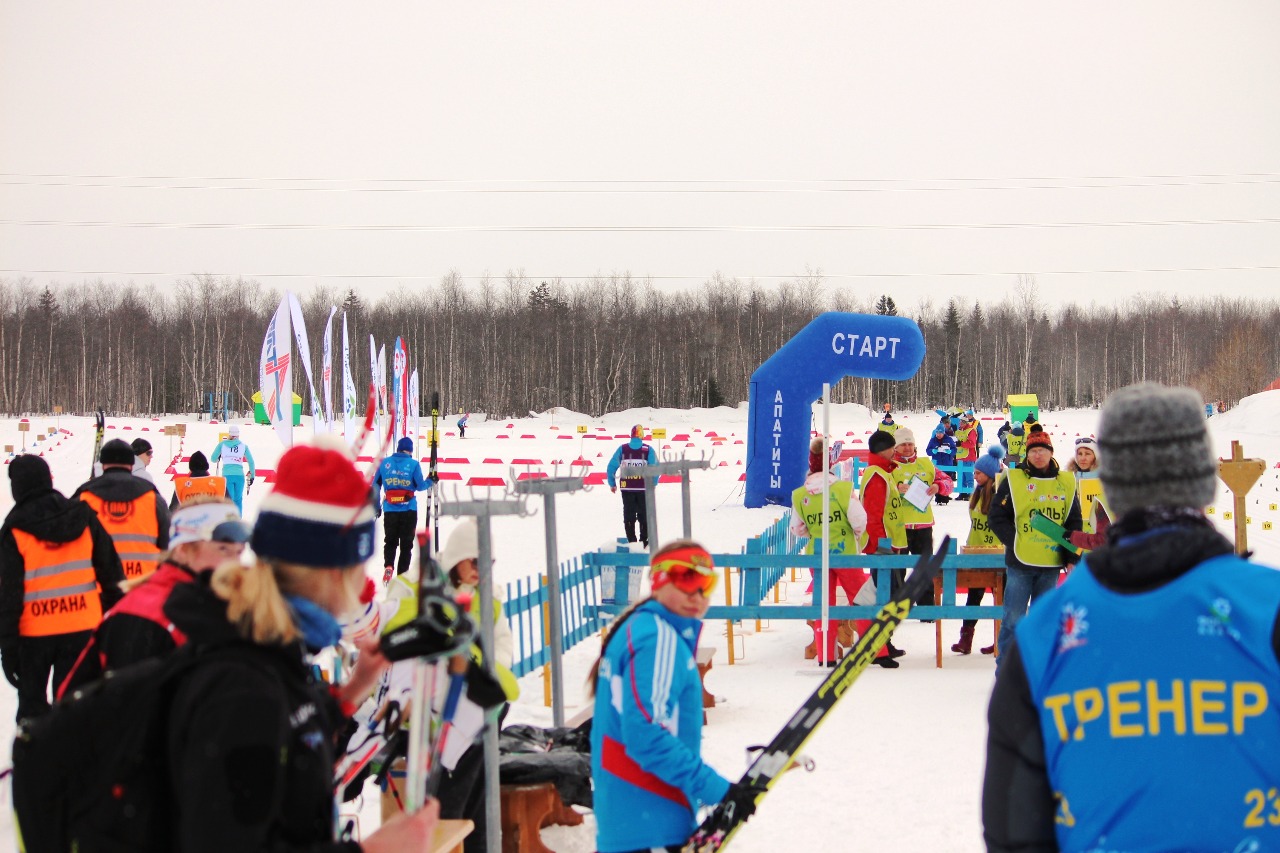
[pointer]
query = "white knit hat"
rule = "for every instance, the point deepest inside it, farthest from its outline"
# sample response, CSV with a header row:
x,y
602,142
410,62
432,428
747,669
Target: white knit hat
x,y
463,544
207,522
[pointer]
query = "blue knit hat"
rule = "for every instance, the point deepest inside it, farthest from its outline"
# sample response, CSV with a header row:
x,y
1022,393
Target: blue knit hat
x,y
989,463
404,445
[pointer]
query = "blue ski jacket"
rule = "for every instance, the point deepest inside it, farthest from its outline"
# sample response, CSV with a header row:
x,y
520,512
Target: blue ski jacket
x,y
646,736
615,462
400,477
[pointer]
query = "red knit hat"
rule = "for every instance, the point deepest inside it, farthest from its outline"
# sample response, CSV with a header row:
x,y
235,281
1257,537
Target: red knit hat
x,y
1039,438
320,513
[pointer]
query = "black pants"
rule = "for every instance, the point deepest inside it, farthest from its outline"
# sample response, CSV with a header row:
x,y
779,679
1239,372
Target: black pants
x,y
973,599
398,528
461,792
633,510
37,657
919,541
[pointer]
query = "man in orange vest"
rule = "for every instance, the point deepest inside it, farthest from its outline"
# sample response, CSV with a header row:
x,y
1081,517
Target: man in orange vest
x,y
197,482
130,508
58,573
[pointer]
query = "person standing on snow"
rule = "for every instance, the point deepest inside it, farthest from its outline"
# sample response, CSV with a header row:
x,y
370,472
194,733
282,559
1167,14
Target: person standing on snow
x,y
1032,560
917,523
130,509
883,505
634,454
142,456
197,482
847,527
400,477
203,534
59,573
941,448
646,734
1137,705
462,426
986,472
235,457
251,734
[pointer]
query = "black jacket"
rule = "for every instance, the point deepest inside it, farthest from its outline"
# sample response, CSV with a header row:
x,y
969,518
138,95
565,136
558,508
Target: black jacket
x,y
1004,525
119,484
1017,798
50,517
251,742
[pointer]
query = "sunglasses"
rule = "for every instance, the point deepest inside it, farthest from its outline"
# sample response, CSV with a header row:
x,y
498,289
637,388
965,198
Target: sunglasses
x,y
1084,440
689,576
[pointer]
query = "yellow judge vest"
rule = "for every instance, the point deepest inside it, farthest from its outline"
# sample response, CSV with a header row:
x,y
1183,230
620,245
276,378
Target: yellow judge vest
x,y
809,506
894,526
1051,497
921,467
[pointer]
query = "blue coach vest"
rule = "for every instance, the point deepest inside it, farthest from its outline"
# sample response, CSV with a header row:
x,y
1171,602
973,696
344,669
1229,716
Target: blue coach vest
x,y
1159,710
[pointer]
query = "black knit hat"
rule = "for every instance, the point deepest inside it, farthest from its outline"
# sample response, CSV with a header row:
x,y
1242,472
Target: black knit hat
x,y
28,475
140,446
880,441
116,452
198,463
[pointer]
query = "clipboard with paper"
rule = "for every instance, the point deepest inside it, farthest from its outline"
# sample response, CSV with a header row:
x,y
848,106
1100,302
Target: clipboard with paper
x,y
917,493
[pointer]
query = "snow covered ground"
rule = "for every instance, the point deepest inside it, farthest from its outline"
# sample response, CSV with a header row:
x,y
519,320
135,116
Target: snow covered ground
x,y
899,764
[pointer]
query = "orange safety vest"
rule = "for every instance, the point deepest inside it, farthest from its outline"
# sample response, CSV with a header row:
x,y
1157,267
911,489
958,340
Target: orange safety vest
x,y
189,486
133,528
60,593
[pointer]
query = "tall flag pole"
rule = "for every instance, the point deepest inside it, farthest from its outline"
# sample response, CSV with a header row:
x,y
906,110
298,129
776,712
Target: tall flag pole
x,y
350,422
414,408
275,376
304,354
373,382
384,402
399,389
326,370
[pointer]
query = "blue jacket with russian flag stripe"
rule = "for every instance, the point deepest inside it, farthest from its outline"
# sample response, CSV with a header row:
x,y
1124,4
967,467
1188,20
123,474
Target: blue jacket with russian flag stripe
x,y
646,736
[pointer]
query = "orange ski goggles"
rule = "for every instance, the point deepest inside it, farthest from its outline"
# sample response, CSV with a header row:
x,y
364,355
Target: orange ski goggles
x,y
690,569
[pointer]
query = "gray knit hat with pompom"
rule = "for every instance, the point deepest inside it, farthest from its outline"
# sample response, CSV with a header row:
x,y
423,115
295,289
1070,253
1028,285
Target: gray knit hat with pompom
x,y
1155,449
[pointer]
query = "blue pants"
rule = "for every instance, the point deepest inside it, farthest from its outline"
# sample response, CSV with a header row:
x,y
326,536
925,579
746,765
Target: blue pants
x,y
235,490
1021,588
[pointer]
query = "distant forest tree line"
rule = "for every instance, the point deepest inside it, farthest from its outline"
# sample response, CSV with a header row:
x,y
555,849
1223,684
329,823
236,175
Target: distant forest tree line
x,y
508,346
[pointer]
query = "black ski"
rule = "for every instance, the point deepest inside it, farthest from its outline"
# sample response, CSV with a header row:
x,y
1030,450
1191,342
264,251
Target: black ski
x,y
776,758
99,427
433,505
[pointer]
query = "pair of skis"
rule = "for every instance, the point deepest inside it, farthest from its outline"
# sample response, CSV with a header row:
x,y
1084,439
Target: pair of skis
x,y
783,751
99,427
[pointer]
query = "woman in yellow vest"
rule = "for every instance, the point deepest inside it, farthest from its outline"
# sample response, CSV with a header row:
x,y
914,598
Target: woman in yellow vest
x,y
917,524
847,528
1032,560
986,474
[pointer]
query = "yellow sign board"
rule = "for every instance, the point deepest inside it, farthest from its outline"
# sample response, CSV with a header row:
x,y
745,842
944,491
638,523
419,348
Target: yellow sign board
x,y
660,432
1271,507
1226,516
1266,525
1211,510
581,428
57,410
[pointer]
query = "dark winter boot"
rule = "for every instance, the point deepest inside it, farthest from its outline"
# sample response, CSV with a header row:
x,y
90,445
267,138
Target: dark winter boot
x,y
965,646
988,650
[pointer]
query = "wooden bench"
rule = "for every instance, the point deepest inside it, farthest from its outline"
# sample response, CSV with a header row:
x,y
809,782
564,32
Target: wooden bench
x,y
528,808
450,835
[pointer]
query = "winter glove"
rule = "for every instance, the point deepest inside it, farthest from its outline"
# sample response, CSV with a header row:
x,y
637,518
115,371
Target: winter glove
x,y
740,802
9,660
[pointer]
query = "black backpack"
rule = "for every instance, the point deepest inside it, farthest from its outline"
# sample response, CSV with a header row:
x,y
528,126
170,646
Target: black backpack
x,y
92,774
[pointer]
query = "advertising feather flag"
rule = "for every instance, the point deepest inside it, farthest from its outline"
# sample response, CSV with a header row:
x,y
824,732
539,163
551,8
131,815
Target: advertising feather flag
x,y
326,370
304,355
275,374
350,421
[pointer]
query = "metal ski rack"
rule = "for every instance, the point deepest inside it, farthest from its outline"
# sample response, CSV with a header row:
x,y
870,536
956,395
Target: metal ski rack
x,y
669,465
549,487
483,510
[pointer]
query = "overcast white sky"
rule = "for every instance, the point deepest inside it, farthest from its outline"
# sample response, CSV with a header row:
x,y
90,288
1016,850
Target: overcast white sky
x,y
383,144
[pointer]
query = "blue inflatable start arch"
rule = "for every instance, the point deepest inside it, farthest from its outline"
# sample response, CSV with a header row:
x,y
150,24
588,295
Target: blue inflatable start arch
x,y
784,388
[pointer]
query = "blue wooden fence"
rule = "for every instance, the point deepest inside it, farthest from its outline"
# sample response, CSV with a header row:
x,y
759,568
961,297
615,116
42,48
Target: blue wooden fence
x,y
764,563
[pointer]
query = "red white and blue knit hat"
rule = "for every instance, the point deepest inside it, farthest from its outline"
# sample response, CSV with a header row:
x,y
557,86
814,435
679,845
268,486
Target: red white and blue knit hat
x,y
320,513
